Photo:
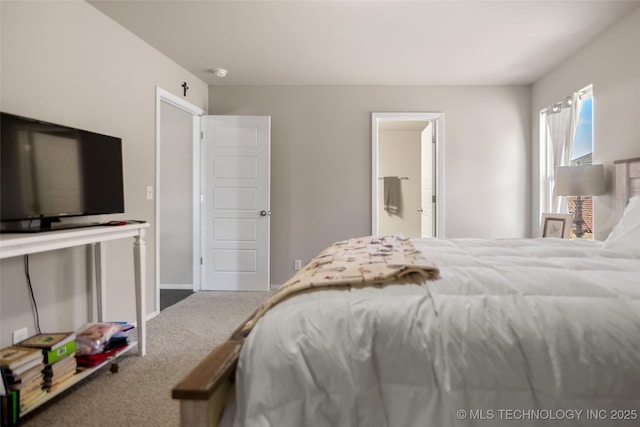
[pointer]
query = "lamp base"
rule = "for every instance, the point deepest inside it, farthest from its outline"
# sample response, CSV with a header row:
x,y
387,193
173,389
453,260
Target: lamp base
x,y
578,222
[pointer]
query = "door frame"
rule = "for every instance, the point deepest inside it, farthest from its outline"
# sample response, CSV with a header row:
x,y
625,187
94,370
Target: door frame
x,y
163,95
438,119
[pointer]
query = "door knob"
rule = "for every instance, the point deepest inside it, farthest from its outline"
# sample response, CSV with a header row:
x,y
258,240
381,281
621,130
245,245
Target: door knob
x,y
265,213
420,210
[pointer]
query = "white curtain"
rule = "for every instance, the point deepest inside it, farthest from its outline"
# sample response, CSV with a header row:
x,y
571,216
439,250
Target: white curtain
x,y
561,125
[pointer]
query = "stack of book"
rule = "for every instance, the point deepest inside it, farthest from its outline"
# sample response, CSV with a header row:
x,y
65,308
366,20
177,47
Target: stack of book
x,y
58,350
21,369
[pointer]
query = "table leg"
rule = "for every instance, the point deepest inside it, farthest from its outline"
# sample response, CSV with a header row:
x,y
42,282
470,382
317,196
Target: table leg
x,y
139,251
101,279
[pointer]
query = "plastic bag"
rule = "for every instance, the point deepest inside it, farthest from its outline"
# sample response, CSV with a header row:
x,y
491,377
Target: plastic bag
x,y
93,339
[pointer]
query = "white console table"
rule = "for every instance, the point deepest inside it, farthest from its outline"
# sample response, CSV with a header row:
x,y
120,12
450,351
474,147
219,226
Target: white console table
x,y
17,244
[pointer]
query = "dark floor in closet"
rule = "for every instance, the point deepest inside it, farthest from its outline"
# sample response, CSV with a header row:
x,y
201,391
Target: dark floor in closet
x,y
168,297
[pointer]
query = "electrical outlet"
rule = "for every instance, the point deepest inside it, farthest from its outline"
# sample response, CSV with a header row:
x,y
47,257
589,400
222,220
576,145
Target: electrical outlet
x,y
297,264
20,335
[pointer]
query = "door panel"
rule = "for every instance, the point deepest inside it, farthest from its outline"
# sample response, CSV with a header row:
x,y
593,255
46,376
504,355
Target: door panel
x,y
235,260
235,229
235,167
235,198
426,169
235,220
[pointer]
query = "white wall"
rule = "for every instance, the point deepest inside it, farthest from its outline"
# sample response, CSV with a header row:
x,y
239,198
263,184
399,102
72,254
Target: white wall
x,y
321,159
612,63
399,154
67,63
176,198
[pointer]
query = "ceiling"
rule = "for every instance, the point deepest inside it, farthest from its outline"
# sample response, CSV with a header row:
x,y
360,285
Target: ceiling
x,y
393,42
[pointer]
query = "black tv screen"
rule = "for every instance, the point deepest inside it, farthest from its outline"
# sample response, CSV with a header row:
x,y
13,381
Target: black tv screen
x,y
50,171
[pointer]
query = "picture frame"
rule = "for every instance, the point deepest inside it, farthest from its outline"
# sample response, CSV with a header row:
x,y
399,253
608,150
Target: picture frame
x,y
555,225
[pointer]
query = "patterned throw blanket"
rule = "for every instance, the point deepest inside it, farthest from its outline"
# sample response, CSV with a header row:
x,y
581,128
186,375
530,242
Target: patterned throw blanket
x,y
355,262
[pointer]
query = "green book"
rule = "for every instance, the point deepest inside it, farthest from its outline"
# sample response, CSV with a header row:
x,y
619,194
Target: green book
x,y
54,345
12,407
52,356
48,341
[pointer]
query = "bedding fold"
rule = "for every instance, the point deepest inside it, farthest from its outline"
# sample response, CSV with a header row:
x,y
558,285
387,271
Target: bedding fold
x,y
363,261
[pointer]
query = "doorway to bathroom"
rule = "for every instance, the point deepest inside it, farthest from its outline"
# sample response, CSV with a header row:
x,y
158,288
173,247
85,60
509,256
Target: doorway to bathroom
x,y
407,165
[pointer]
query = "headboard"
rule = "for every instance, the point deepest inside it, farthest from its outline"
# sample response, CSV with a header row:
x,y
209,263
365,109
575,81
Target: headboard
x,y
627,181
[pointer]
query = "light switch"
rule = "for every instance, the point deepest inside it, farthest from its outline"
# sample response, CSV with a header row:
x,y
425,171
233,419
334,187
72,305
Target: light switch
x,y
149,192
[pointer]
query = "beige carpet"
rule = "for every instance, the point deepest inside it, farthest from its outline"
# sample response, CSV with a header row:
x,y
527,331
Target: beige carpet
x,y
140,393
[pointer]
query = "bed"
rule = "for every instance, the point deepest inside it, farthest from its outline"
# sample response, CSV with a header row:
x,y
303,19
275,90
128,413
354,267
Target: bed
x,y
519,331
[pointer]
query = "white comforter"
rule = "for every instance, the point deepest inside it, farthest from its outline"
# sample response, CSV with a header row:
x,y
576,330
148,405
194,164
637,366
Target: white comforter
x,y
516,333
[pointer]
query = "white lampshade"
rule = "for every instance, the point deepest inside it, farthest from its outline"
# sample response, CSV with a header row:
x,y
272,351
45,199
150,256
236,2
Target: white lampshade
x,y
584,180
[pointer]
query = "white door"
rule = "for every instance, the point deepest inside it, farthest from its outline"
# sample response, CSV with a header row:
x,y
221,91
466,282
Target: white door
x,y
426,171
235,200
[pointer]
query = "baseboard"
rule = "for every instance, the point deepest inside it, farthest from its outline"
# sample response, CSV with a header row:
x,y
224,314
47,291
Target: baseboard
x,y
176,286
273,287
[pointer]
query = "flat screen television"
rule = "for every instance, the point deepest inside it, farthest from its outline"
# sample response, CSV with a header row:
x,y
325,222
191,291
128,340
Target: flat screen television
x,y
49,171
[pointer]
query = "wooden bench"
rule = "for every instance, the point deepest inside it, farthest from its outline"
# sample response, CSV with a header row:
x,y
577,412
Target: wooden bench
x,y
210,387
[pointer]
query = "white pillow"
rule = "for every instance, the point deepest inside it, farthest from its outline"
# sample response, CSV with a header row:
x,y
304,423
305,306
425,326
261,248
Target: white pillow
x,y
625,236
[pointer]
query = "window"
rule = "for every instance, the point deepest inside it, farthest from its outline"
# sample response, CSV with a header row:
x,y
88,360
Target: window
x,y
582,154
566,138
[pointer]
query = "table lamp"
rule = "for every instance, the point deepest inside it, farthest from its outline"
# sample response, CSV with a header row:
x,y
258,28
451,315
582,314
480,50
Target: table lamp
x,y
582,180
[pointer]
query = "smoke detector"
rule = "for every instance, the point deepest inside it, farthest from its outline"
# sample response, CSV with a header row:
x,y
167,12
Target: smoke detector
x,y
219,72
